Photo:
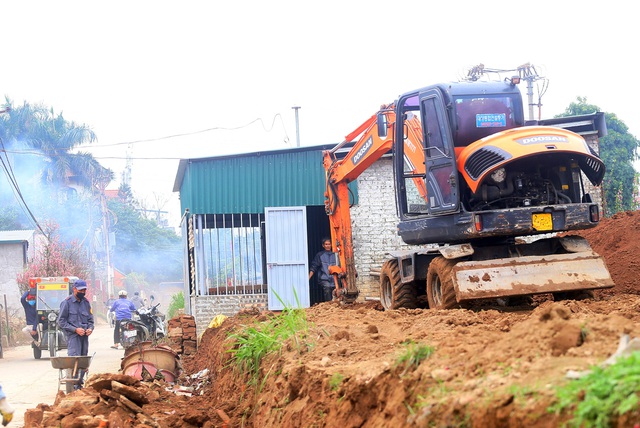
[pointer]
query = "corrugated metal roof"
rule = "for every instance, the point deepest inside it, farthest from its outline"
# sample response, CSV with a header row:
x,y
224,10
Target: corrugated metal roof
x,y
14,236
247,183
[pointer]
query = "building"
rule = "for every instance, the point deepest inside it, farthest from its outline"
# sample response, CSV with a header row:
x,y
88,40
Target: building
x,y
16,248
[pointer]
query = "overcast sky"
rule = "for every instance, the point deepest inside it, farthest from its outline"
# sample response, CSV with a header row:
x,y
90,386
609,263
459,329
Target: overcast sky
x,y
208,78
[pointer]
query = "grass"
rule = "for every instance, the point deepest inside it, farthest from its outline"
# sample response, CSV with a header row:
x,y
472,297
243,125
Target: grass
x,y
254,342
336,381
413,354
605,393
177,303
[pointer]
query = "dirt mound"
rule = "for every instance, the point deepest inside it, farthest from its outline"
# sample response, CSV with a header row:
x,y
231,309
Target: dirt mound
x,y
617,239
490,367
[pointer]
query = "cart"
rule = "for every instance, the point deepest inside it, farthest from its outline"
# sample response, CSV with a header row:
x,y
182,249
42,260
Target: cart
x,y
70,370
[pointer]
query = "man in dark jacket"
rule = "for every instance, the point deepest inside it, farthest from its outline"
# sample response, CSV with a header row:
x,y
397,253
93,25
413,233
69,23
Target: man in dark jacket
x,y
76,320
31,315
320,266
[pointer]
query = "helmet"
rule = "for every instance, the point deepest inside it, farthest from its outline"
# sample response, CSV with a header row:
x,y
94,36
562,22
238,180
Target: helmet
x,y
122,293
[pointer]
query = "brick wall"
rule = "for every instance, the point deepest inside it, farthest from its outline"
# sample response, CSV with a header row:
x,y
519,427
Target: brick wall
x,y
205,308
374,223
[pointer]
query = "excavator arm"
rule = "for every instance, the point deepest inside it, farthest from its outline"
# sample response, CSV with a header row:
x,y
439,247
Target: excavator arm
x,y
374,139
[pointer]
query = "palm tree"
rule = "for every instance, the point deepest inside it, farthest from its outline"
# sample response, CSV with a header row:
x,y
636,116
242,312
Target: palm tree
x,y
39,132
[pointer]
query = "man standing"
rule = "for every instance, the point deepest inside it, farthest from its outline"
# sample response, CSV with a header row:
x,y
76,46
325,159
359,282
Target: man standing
x,y
137,300
122,308
76,320
320,265
31,315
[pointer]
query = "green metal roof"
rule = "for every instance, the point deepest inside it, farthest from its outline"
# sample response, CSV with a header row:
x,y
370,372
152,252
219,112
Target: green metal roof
x,y
247,183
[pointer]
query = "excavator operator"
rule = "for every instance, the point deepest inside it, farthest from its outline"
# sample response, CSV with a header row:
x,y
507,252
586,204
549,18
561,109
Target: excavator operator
x,y
320,265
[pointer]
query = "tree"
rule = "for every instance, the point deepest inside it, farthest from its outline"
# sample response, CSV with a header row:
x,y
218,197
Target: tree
x,y
56,258
618,150
142,247
41,169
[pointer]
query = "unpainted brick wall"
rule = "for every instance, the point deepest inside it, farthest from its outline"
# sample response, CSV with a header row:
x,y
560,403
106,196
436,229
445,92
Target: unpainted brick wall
x,y
205,308
374,223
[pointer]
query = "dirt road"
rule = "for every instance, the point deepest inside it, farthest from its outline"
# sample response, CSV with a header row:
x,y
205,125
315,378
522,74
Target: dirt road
x,y
28,382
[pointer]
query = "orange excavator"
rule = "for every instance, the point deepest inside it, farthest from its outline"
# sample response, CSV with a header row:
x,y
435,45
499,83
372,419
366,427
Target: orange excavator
x,y
481,195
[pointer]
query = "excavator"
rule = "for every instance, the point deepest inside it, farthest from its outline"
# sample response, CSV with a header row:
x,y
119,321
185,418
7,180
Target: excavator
x,y
483,199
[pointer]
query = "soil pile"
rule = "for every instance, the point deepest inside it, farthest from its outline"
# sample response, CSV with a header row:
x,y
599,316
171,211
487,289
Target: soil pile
x,y
493,367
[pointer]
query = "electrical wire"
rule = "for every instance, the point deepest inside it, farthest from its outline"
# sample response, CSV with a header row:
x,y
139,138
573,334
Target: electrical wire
x,y
8,170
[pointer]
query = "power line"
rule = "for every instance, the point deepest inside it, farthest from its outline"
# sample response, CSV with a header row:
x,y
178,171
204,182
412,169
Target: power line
x,y
217,128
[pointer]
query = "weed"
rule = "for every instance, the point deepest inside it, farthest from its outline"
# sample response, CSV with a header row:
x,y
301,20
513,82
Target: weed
x,y
176,303
256,341
602,394
335,381
413,354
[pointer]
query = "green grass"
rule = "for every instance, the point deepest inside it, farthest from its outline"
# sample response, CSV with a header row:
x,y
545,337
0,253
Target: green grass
x,y
177,303
413,354
336,381
602,395
254,342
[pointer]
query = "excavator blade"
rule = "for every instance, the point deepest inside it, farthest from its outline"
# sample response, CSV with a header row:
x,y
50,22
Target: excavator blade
x,y
530,275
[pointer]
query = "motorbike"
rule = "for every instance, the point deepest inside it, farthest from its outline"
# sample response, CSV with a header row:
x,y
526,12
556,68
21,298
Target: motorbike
x,y
50,337
149,327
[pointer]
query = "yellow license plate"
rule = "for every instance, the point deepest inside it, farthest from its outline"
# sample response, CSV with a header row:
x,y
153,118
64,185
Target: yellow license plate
x,y
542,221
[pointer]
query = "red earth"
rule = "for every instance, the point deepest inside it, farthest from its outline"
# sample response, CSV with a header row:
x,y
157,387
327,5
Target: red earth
x,y
489,366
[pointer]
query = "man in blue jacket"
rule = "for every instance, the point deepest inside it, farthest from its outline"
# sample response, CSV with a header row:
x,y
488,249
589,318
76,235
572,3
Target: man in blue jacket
x,y
320,266
31,315
76,320
122,308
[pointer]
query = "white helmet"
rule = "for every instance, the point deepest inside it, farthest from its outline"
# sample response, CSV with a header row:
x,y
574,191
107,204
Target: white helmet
x,y
122,293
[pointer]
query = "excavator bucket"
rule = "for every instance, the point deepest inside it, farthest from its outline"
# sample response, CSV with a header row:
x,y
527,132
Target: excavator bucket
x,y
529,275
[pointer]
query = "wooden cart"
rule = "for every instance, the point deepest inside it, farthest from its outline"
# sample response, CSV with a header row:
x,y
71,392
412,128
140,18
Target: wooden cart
x,y
71,369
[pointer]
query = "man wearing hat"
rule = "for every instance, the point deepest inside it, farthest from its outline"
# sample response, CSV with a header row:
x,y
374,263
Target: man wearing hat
x,y
76,320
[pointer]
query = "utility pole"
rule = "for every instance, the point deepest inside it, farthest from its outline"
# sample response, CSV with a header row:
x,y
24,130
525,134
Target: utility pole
x,y
296,108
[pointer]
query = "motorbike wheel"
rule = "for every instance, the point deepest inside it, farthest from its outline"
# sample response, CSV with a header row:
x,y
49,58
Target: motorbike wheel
x,y
52,345
37,352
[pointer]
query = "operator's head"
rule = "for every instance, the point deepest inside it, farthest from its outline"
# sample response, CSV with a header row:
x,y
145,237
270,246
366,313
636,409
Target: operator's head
x,y
122,294
326,244
80,288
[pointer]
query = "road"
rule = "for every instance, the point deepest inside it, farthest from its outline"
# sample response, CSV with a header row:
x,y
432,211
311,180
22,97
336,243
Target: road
x,y
28,382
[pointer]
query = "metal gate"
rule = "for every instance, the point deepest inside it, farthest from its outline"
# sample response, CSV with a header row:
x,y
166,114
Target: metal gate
x,y
287,263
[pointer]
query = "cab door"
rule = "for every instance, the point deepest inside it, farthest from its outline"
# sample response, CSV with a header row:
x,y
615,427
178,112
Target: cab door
x,y
440,162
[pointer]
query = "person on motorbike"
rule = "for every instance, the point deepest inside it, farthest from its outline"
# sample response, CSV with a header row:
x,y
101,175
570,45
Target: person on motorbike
x,y
123,309
31,315
110,315
137,300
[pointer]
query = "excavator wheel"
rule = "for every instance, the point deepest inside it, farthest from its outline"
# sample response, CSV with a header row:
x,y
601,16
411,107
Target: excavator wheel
x,y
440,291
393,293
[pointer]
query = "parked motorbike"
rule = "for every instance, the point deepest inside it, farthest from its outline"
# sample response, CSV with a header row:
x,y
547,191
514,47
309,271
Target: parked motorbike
x,y
149,327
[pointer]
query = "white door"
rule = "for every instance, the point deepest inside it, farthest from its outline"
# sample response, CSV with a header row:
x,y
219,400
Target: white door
x,y
287,263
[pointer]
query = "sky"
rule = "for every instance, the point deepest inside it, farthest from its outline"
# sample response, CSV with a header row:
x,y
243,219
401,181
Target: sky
x,y
159,81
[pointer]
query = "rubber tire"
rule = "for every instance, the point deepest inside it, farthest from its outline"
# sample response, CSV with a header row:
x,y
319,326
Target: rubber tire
x,y
393,293
440,291
37,353
68,385
52,345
